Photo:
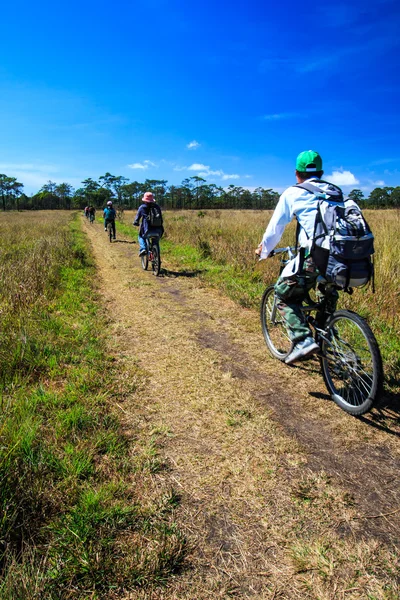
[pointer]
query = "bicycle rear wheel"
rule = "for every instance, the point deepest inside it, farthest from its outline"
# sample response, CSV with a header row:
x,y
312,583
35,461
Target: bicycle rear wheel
x,y
145,261
156,260
273,326
351,363
109,231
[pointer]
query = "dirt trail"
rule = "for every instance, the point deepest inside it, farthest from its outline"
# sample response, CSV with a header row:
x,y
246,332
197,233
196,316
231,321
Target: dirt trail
x,y
250,443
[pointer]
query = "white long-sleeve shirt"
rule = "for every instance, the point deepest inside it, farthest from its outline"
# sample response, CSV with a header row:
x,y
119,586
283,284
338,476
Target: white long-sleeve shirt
x,y
294,202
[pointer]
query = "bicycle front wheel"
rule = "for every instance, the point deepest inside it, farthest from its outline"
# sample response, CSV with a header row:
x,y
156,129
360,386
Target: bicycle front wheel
x,y
156,261
273,326
351,363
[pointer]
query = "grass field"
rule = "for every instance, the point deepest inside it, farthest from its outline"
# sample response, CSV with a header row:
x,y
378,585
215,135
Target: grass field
x,y
84,510
74,493
220,246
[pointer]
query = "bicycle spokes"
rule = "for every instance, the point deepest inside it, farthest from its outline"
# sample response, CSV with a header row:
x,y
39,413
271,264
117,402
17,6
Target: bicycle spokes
x,y
351,362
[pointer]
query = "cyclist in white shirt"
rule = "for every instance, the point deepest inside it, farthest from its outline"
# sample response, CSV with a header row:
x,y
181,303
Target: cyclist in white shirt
x,y
300,275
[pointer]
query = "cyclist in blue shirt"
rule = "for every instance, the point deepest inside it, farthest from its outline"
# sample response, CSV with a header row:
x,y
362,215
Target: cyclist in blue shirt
x,y
109,215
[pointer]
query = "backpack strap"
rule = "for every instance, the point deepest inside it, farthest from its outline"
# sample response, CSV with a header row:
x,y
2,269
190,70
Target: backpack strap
x,y
302,251
333,191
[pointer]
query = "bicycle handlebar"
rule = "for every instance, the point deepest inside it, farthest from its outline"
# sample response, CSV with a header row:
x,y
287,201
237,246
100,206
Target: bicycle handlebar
x,y
290,250
282,250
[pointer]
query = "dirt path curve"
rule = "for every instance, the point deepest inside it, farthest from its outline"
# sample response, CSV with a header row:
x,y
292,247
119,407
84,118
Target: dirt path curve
x,y
250,443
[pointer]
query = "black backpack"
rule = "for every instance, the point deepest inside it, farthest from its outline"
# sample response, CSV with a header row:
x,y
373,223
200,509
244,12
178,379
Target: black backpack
x,y
342,243
154,217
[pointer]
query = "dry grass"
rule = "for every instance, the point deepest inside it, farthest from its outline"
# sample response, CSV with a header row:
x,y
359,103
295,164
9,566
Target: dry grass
x,y
33,249
231,237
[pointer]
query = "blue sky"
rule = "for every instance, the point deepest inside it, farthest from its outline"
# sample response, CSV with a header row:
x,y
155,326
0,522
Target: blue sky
x,y
170,89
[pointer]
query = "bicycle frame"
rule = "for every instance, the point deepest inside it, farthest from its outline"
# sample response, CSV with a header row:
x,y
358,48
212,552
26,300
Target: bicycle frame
x,y
310,306
152,253
150,240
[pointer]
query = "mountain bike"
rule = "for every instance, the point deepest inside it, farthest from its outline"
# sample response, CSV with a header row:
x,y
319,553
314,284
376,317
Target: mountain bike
x,y
349,354
152,253
91,218
110,231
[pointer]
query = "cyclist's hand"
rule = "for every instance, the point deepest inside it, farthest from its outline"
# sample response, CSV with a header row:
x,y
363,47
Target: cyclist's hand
x,y
258,250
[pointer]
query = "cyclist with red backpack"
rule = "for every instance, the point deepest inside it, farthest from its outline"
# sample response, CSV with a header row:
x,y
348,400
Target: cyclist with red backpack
x,y
335,242
149,217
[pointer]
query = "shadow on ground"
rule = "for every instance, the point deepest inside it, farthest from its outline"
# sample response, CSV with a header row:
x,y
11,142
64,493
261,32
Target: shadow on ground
x,y
320,396
184,273
123,242
384,416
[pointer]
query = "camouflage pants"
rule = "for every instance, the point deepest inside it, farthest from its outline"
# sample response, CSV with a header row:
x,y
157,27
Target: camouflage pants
x,y
292,291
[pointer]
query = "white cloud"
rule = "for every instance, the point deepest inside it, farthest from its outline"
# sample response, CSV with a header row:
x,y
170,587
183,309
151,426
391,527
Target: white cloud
x,y
342,178
371,185
144,165
218,172
137,166
225,176
193,145
198,167
206,171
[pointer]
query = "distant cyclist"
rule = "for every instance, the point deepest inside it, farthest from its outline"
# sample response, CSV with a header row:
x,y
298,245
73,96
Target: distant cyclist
x,y
92,213
109,215
150,215
300,275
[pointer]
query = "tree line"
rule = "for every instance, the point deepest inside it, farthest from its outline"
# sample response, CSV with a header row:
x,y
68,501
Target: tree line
x,y
193,193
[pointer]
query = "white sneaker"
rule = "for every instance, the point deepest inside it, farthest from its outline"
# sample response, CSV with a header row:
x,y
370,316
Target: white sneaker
x,y
142,252
303,348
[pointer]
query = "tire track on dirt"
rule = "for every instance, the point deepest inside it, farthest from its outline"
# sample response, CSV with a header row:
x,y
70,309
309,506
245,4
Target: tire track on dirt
x,y
371,475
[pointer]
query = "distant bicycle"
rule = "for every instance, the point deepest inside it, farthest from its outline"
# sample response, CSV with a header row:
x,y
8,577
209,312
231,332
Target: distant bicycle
x,y
91,218
110,231
349,354
152,253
